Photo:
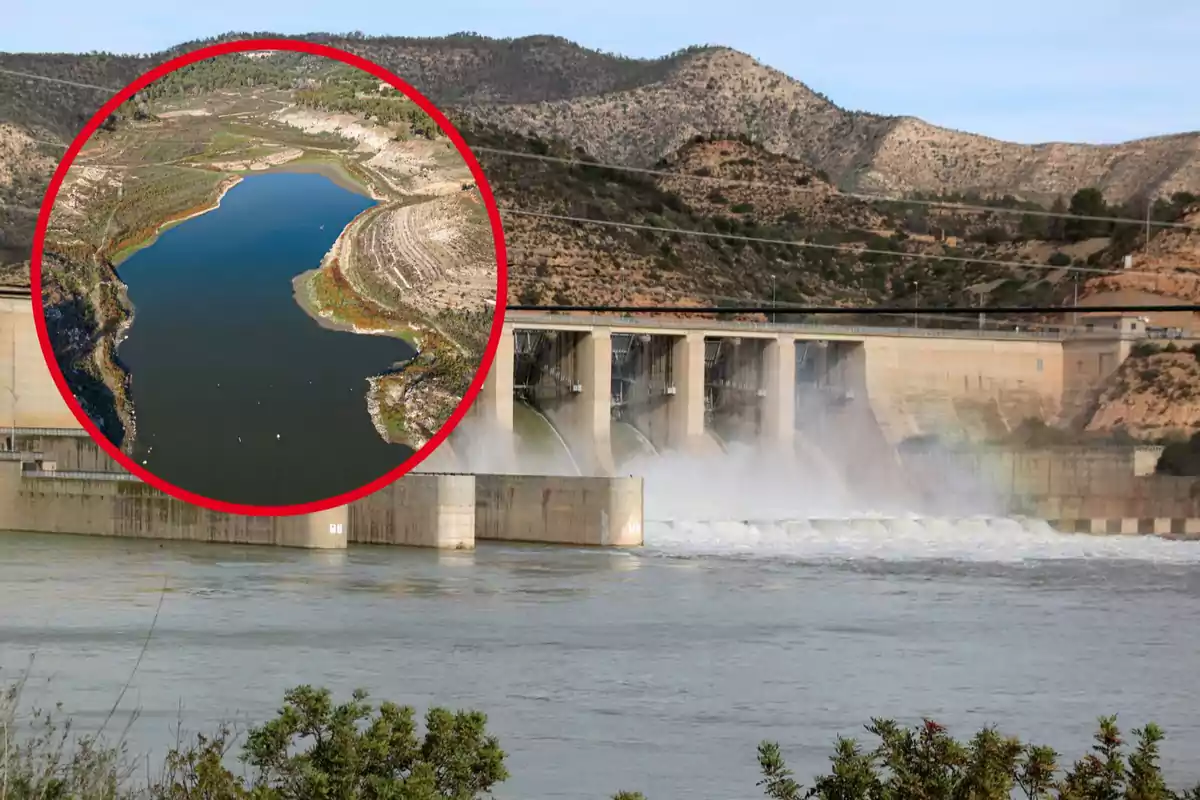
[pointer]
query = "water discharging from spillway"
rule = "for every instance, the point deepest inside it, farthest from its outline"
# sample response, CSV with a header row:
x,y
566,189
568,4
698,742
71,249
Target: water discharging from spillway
x,y
748,505
540,447
865,539
629,443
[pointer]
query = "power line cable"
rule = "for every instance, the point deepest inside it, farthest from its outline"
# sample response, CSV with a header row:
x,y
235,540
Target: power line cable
x,y
841,248
870,198
57,80
857,310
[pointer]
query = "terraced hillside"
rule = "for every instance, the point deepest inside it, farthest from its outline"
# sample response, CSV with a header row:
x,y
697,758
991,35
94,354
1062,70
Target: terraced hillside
x,y
433,254
172,154
425,267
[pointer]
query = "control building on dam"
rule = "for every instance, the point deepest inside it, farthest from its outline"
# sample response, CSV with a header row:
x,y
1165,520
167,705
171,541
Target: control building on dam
x,y
697,385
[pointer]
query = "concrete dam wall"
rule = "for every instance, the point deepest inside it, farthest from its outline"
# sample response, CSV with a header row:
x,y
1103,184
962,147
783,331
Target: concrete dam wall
x,y
443,511
455,511
28,396
1059,483
106,504
590,512
683,383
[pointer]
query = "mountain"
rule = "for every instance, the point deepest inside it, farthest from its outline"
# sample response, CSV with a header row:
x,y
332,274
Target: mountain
x,y
702,110
721,90
638,110
757,162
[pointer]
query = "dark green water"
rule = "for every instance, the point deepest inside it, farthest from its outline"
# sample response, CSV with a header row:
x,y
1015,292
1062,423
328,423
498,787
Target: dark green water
x,y
240,395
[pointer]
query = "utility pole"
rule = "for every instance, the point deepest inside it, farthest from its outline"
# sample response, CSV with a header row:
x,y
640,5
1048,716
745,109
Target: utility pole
x,y
772,299
1149,209
916,302
12,442
1075,313
979,298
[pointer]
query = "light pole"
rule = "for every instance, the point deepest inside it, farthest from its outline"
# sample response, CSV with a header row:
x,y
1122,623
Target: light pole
x,y
1075,313
12,442
772,299
1149,211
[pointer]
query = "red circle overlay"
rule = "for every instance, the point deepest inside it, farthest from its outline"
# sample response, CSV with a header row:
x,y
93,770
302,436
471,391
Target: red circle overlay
x,y
448,129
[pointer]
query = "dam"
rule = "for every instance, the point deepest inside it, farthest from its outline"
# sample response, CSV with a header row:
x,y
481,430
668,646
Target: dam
x,y
815,410
684,382
851,403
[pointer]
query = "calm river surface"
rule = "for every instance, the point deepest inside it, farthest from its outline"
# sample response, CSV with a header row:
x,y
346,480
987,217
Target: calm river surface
x,y
658,670
239,394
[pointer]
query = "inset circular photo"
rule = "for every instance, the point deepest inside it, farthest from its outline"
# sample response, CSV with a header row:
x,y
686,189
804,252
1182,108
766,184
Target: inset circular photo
x,y
272,277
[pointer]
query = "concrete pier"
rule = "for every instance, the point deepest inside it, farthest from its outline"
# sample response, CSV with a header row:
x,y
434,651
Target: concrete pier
x,y
418,511
590,512
453,512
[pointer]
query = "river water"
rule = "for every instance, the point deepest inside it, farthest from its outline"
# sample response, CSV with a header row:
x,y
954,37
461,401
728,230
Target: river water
x,y
658,670
239,394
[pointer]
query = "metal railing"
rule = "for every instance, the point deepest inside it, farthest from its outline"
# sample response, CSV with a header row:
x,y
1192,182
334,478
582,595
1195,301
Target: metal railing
x,y
79,475
74,433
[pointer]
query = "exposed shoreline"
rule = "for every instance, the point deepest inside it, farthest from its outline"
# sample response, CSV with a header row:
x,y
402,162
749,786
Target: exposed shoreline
x,y
331,168
302,294
329,320
222,189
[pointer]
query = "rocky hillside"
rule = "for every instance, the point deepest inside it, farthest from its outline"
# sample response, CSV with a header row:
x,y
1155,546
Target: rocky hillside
x,y
25,168
637,111
1167,271
1154,396
847,250
721,90
759,125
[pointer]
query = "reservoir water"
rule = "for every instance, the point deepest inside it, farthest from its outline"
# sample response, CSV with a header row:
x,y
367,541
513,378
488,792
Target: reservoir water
x,y
239,394
658,670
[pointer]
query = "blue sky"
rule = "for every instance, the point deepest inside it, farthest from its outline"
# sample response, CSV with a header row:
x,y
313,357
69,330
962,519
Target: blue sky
x,y
1022,70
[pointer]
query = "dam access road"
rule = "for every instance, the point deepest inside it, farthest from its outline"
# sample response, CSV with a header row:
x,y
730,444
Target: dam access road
x,y
412,260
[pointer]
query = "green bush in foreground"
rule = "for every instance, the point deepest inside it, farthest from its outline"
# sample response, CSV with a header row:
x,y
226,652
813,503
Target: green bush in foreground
x,y
312,749
315,750
926,763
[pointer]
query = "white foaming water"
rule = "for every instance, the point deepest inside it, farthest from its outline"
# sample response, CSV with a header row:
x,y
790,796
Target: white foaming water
x,y
742,483
979,539
748,505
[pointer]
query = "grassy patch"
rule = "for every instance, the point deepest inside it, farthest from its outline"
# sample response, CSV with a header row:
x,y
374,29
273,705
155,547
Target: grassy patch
x,y
150,207
331,293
